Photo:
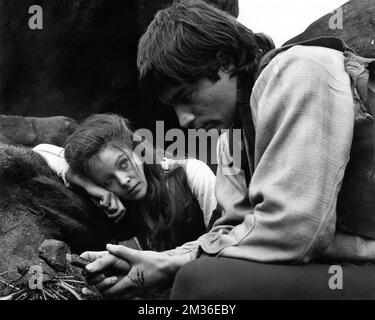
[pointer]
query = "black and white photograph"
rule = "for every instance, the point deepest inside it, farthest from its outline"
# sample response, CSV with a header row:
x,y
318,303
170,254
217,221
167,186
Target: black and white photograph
x,y
186,155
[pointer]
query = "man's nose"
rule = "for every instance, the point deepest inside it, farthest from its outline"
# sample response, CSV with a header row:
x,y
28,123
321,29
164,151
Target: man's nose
x,y
123,179
184,117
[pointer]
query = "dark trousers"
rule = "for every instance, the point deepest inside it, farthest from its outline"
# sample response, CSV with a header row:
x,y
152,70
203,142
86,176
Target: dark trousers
x,y
225,278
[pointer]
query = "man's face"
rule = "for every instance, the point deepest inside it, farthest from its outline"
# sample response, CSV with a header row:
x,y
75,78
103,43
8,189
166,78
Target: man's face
x,y
205,104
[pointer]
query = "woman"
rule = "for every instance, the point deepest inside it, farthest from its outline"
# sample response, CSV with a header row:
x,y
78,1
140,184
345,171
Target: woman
x,y
165,208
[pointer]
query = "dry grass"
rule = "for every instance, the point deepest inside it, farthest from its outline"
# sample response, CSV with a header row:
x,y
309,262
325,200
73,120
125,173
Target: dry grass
x,y
67,286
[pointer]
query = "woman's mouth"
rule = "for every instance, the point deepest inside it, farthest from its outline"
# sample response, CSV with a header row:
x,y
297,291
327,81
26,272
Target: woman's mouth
x,y
132,190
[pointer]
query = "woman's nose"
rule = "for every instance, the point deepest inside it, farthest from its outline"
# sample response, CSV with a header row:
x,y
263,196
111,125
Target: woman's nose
x,y
123,179
184,117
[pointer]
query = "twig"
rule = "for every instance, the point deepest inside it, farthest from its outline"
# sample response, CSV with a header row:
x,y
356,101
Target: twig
x,y
75,281
21,296
59,294
50,295
12,296
69,288
55,294
5,272
9,285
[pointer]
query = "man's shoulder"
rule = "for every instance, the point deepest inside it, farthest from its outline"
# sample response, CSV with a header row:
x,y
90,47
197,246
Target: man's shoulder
x,y
303,58
311,53
307,62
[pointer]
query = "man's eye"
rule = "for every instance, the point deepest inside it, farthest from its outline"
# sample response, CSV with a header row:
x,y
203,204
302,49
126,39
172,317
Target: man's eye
x,y
124,164
186,98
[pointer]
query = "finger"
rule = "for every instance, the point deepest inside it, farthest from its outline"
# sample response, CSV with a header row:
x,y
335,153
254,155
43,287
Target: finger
x,y
101,264
120,211
93,279
96,201
106,283
106,198
113,206
125,287
123,252
129,295
120,216
93,255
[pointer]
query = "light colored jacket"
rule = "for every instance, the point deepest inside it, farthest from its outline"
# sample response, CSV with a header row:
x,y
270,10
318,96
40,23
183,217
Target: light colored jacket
x,y
303,111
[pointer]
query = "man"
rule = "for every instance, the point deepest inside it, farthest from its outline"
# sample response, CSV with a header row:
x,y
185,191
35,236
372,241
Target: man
x,y
280,205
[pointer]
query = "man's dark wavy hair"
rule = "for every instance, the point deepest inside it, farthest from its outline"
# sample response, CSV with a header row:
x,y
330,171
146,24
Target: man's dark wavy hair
x,y
192,40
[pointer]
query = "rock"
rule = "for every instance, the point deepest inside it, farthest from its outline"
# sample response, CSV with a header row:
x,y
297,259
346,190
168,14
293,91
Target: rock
x,y
83,61
54,130
53,252
35,205
17,130
358,27
31,131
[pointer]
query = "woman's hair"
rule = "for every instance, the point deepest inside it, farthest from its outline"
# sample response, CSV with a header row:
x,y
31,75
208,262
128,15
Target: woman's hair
x,y
192,40
101,130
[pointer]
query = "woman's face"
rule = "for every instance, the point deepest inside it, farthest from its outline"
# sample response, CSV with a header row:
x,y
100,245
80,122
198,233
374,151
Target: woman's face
x,y
112,169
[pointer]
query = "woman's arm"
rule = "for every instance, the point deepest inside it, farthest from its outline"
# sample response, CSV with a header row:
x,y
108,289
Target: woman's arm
x,y
54,156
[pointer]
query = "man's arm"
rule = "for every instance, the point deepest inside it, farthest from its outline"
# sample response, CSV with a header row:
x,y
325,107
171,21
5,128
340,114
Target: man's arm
x,y
303,112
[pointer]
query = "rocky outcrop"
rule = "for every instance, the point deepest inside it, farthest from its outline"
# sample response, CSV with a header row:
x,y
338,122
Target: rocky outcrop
x,y
83,61
31,131
35,205
358,27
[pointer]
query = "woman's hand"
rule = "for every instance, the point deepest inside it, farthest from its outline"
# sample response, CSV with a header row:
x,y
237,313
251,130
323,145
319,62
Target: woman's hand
x,y
110,202
148,270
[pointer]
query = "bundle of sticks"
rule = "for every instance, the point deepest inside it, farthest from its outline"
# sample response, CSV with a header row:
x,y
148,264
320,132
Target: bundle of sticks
x,y
64,283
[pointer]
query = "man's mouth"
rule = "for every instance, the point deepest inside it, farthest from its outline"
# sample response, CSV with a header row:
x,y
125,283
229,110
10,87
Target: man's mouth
x,y
211,125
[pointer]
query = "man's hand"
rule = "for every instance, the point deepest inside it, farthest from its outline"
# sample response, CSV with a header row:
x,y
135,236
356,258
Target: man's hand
x,y
148,269
105,269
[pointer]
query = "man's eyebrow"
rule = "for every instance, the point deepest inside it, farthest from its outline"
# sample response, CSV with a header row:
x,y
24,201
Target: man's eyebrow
x,y
176,97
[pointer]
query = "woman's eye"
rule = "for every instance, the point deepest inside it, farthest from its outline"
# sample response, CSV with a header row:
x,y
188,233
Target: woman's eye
x,y
124,164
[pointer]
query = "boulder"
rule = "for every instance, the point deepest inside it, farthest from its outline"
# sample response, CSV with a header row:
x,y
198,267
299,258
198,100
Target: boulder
x,y
358,27
31,131
83,61
35,205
